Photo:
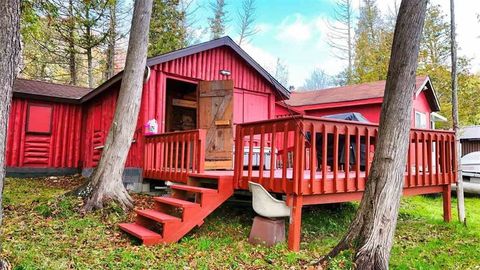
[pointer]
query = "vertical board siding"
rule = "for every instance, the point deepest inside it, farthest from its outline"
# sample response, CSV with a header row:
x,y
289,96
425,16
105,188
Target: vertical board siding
x,y
59,149
196,67
207,65
99,115
469,146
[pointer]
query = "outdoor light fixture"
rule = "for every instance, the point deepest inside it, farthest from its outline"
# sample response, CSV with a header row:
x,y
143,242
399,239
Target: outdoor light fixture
x,y
225,72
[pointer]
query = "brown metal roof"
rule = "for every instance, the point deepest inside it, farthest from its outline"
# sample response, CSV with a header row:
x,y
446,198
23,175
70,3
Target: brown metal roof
x,y
47,90
345,93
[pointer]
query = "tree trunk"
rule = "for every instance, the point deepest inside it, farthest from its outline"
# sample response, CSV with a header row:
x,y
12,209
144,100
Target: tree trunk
x,y
9,59
371,232
71,45
349,45
89,40
453,47
112,38
106,181
91,83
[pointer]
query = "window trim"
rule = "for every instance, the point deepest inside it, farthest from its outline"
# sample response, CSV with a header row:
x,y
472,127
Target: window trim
x,y
418,125
32,104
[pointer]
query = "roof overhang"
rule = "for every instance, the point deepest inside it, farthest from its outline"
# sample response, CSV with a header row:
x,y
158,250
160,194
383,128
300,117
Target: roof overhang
x,y
436,117
430,94
360,102
46,98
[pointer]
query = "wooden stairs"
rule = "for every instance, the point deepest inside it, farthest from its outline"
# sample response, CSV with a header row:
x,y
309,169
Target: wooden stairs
x,y
178,213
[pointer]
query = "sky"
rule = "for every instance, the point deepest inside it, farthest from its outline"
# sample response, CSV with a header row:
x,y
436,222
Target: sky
x,y
296,32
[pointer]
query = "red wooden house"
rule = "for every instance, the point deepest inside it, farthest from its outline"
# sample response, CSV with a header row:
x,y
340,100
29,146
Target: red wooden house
x,y
365,98
217,130
44,129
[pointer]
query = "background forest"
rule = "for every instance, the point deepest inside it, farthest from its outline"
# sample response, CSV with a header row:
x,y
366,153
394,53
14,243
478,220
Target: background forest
x,y
84,43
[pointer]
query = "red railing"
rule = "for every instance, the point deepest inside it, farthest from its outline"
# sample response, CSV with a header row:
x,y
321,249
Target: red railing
x,y
309,155
172,156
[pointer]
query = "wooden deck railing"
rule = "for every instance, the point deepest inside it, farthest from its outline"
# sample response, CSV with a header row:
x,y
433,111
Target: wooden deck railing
x,y
172,156
310,155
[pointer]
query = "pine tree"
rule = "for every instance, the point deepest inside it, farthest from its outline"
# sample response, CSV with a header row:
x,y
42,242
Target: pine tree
x,y
167,27
218,21
92,16
372,45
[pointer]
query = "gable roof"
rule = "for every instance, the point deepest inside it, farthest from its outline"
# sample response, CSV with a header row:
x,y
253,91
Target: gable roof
x,y
358,92
223,41
49,91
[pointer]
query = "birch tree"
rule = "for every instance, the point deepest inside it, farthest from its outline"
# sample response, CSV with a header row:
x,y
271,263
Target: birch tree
x,y
106,181
371,232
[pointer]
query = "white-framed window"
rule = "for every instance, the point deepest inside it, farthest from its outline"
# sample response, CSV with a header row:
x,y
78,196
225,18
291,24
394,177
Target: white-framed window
x,y
420,120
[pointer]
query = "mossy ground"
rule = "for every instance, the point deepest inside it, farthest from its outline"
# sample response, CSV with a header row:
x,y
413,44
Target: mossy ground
x,y
44,230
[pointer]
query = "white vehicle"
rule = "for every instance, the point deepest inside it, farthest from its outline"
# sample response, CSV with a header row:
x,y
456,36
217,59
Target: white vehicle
x,y
471,166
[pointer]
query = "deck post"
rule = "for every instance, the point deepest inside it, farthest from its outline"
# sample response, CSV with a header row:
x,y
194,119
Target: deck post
x,y
294,229
447,203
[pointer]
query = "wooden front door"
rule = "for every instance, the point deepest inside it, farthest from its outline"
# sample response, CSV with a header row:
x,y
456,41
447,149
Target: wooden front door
x,y
215,114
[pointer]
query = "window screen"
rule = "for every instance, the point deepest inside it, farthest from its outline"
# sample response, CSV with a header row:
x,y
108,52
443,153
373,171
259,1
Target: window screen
x,y
39,118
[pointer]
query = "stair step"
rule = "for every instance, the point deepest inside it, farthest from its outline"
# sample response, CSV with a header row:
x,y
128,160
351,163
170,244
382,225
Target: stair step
x,y
194,189
204,176
175,202
147,236
157,216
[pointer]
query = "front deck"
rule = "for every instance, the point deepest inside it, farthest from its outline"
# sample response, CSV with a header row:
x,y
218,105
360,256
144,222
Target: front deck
x,y
310,160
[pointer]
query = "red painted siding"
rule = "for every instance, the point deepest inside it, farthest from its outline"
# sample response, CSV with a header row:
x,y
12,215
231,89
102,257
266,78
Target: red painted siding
x,y
371,111
207,65
77,134
59,148
254,98
420,104
98,117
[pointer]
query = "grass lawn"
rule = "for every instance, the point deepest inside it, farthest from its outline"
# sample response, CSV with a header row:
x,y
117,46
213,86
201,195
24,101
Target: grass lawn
x,y
44,230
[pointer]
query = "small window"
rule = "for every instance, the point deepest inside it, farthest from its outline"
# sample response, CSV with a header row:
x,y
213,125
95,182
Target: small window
x,y
420,120
39,118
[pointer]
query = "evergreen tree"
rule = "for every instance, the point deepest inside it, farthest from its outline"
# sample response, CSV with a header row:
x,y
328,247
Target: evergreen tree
x,y
92,16
218,21
372,45
435,46
167,31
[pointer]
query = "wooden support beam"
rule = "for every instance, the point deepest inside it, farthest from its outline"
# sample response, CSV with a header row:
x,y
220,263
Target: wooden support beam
x,y
447,203
294,229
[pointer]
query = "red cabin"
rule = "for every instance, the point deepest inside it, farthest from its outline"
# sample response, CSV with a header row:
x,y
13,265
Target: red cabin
x,y
208,124
365,98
